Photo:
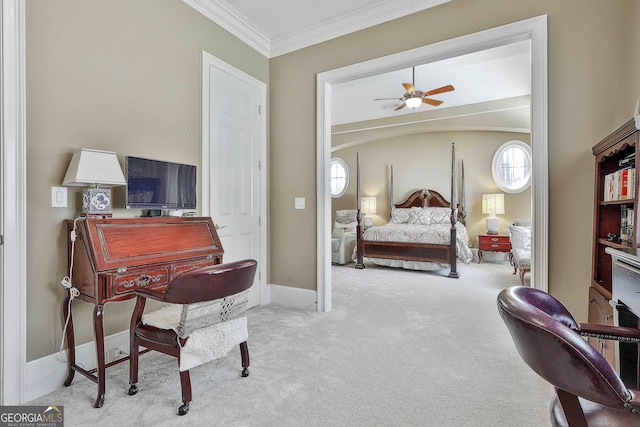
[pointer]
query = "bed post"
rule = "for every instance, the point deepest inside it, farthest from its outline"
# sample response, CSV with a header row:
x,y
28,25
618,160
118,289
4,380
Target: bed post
x,y
462,215
391,192
453,272
359,244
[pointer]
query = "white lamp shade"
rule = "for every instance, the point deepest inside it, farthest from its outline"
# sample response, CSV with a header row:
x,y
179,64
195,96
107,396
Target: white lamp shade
x,y
493,204
369,205
94,167
414,102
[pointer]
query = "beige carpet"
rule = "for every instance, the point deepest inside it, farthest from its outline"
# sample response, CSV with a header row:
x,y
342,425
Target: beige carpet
x,y
400,348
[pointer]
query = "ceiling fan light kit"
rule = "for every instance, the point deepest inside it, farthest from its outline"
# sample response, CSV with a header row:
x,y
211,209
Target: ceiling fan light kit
x,y
413,98
413,102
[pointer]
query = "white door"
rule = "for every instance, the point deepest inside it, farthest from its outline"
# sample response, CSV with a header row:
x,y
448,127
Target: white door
x,y
234,161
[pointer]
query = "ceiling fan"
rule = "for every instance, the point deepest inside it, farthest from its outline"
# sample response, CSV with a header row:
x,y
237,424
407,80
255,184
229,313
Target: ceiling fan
x,y
413,98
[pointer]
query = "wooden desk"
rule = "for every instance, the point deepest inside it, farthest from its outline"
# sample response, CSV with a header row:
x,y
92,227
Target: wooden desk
x,y
625,296
113,257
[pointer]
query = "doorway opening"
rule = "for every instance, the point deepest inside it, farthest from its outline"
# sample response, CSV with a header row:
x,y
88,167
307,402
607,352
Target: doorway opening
x,y
534,30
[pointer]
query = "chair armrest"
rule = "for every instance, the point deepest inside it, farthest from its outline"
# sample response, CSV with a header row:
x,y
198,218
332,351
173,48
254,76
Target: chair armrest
x,y
616,333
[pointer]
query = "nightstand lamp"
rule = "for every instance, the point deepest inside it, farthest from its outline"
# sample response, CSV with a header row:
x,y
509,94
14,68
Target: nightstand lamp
x,y
492,204
99,170
368,207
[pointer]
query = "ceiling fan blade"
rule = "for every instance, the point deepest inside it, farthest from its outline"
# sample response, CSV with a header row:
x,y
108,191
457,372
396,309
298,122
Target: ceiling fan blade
x,y
433,102
401,106
386,99
447,88
409,88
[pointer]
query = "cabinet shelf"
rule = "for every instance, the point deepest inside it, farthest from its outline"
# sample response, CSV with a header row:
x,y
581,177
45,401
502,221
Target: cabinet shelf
x,y
617,245
618,202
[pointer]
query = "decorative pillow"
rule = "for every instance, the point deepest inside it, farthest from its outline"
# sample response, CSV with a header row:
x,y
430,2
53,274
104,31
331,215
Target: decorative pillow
x,y
400,215
427,216
346,216
523,222
520,237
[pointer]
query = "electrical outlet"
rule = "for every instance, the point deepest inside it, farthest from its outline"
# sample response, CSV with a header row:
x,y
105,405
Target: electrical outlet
x,y
114,354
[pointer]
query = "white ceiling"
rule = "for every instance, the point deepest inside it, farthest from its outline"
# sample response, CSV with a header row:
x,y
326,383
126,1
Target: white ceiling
x,y
494,83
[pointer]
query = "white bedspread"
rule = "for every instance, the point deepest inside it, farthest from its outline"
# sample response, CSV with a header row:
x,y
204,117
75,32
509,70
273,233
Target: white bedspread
x,y
433,233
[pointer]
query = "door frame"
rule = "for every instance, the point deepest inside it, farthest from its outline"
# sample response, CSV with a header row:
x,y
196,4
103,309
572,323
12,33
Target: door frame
x,y
533,29
209,61
13,205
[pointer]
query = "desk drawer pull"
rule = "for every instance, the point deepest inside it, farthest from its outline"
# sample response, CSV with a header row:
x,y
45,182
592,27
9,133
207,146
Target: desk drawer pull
x,y
142,280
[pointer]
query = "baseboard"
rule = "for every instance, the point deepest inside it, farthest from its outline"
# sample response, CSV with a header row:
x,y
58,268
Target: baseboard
x,y
46,375
290,297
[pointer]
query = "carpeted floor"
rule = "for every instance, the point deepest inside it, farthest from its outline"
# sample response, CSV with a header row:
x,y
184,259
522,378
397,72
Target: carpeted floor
x,y
400,348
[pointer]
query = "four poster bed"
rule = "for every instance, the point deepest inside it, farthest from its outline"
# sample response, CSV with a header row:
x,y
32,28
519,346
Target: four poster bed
x,y
423,233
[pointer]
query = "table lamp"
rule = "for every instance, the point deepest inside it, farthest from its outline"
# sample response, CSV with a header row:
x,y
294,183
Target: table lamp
x,y
99,170
368,207
492,204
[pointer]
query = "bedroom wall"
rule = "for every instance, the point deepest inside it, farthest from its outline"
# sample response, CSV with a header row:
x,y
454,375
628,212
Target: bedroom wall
x,y
412,157
118,75
592,90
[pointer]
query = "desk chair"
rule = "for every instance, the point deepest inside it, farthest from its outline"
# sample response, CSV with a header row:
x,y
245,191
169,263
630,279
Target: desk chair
x,y
588,390
200,299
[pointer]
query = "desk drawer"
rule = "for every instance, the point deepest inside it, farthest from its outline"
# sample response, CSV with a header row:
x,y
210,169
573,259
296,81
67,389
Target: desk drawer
x,y
179,269
494,243
127,282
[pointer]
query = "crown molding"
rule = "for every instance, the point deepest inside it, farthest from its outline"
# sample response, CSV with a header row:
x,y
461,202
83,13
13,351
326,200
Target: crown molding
x,y
233,21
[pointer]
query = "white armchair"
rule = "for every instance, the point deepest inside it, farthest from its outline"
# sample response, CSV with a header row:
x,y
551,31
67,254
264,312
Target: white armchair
x,y
343,237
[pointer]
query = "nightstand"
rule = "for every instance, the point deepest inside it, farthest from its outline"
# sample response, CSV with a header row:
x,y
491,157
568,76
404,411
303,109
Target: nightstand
x,y
493,243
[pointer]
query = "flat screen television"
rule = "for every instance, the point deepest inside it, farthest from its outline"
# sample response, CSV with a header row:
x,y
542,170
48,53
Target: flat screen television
x,y
157,185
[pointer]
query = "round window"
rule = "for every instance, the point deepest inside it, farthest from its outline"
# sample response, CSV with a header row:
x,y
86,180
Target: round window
x,y
511,167
339,177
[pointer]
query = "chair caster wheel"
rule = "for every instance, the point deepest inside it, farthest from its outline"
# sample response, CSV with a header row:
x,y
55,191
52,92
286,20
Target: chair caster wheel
x,y
133,390
183,409
245,372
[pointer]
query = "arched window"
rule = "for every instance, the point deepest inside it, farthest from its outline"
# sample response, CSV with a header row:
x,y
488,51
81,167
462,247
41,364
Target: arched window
x,y
339,177
511,167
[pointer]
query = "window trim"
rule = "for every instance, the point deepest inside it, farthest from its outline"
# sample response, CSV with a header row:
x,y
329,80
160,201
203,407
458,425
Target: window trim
x,y
346,172
494,165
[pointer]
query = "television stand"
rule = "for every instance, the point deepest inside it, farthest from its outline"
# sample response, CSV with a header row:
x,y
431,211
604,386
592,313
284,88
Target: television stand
x,y
152,213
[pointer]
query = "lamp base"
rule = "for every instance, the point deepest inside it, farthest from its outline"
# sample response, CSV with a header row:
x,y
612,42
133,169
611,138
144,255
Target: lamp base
x,y
96,201
492,225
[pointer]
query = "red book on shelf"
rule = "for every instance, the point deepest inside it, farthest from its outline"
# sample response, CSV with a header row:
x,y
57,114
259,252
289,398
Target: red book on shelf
x,y
624,184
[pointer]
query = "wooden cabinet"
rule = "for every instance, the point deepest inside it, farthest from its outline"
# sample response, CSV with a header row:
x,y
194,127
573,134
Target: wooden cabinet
x,y
601,312
610,154
614,219
493,243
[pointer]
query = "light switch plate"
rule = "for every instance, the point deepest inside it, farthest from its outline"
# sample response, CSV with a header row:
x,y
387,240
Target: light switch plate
x,y
58,197
299,202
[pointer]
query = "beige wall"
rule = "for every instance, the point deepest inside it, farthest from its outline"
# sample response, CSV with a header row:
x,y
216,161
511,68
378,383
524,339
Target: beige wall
x,y
120,75
124,75
423,161
592,90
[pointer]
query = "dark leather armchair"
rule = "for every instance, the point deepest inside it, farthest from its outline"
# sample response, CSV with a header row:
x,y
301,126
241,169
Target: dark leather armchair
x,y
207,296
588,390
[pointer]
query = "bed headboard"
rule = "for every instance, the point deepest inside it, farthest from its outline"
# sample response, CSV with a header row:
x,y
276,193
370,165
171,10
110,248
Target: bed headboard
x,y
424,199
429,199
